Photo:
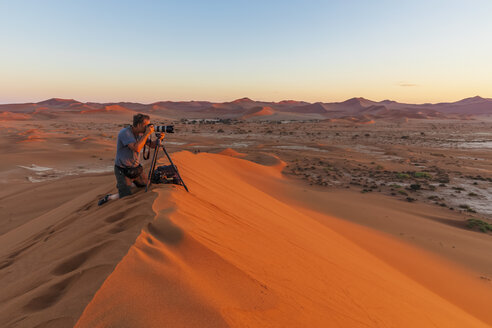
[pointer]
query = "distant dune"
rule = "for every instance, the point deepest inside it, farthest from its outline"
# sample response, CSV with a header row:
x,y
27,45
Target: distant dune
x,y
30,136
109,109
231,152
258,111
311,108
355,110
9,116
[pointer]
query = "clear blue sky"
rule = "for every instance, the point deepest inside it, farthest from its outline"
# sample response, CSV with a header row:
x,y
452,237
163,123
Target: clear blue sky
x,y
145,51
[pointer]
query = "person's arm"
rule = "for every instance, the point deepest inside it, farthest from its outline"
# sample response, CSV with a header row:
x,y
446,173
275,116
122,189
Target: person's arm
x,y
137,146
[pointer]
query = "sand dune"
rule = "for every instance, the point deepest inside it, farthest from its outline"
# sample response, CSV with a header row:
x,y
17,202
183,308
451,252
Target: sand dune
x,y
358,108
9,116
230,254
111,109
31,135
258,111
232,152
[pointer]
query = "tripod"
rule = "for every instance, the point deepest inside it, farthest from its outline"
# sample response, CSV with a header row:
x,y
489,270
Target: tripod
x,y
154,161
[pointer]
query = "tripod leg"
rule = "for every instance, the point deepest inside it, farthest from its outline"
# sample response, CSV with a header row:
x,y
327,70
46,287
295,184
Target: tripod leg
x,y
152,168
174,167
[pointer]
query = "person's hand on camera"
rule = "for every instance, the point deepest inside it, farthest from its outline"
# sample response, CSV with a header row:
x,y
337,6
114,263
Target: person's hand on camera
x,y
162,136
149,129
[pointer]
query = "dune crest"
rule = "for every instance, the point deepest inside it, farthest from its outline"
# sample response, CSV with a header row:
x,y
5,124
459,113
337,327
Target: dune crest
x,y
114,109
229,254
258,111
231,152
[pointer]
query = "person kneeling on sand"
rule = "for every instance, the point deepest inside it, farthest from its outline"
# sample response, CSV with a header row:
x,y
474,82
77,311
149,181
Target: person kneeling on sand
x,y
127,167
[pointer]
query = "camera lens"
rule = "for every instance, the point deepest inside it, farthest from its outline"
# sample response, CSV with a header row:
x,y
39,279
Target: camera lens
x,y
165,128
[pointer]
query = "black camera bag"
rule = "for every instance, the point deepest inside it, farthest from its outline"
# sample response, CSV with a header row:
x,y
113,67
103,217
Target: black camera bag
x,y
165,174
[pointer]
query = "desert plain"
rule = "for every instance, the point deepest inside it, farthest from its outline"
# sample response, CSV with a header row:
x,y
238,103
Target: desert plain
x,y
352,214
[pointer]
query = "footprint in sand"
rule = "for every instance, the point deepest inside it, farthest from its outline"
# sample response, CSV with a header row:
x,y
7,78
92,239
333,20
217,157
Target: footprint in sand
x,y
119,215
75,261
10,259
51,295
127,223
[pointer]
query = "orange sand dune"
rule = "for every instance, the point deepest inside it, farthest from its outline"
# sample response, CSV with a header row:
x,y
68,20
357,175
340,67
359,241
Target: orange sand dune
x,y
114,109
232,152
258,111
229,254
9,116
31,135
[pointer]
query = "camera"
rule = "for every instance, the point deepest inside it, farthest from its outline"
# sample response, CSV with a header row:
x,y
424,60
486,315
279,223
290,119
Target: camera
x,y
163,128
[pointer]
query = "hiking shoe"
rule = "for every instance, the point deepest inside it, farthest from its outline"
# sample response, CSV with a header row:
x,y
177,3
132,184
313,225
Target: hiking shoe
x,y
103,200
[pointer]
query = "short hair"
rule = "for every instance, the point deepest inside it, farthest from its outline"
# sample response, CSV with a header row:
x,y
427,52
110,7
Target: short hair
x,y
139,118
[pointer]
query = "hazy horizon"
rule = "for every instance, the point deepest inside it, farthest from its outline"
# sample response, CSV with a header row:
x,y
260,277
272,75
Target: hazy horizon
x,y
231,100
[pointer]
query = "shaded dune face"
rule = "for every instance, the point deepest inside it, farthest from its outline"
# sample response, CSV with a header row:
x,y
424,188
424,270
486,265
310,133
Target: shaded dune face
x,y
229,254
52,264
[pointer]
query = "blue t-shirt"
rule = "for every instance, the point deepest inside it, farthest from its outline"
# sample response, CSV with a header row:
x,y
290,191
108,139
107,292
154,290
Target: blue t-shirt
x,y
126,157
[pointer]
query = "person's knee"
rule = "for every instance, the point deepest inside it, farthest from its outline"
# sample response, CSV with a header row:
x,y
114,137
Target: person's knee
x,y
141,181
123,184
123,189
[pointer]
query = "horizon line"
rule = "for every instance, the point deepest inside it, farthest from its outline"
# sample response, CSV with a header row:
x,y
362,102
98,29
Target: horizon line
x,y
267,101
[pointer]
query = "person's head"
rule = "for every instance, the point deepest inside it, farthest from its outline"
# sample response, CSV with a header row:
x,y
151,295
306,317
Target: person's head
x,y
140,121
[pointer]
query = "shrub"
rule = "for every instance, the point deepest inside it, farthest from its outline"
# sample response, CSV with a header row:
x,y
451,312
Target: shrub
x,y
403,176
424,175
467,208
479,224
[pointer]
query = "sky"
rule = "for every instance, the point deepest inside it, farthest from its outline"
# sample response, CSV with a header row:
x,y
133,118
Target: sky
x,y
145,51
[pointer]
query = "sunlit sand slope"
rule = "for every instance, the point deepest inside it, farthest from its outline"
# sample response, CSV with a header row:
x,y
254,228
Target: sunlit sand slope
x,y
229,254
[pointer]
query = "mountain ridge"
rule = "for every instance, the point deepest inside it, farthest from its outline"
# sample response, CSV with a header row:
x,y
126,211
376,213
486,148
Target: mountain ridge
x,y
357,108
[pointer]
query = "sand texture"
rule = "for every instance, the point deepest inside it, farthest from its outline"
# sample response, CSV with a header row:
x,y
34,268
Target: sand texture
x,y
229,254
317,220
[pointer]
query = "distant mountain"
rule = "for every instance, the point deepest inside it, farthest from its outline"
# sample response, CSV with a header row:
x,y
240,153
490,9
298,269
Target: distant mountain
x,y
472,100
58,102
242,101
468,106
359,110
361,102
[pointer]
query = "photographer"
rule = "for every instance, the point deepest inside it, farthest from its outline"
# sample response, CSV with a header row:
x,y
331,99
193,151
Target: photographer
x,y
127,168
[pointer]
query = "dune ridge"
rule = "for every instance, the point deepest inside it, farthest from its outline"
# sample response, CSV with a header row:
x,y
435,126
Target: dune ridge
x,y
354,110
230,254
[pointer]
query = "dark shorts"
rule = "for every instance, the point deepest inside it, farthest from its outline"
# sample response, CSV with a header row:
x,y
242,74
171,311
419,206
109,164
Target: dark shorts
x,y
124,183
